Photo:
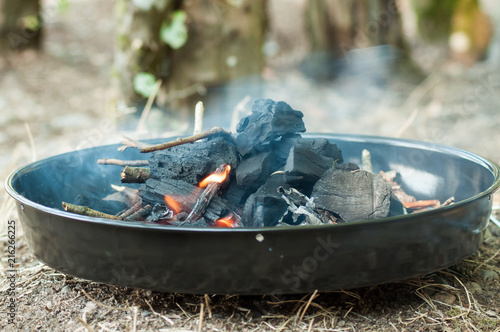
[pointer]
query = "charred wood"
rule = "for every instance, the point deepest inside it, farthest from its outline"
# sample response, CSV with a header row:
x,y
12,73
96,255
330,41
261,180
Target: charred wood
x,y
352,193
193,162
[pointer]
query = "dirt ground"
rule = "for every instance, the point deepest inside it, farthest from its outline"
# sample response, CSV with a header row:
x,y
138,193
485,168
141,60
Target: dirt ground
x,y
61,99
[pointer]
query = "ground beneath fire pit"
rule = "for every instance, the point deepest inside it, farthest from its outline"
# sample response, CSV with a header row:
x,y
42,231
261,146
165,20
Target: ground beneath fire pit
x,y
58,101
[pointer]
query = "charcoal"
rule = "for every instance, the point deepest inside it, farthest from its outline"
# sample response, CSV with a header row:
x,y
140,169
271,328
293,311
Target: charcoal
x,y
153,192
266,207
268,121
322,147
253,171
281,147
304,167
235,194
353,194
193,162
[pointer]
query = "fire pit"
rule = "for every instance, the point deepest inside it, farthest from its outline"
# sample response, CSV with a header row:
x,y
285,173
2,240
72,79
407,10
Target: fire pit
x,y
264,259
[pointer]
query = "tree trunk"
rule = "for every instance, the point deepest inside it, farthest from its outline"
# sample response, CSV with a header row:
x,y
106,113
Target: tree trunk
x,y
336,27
20,24
224,42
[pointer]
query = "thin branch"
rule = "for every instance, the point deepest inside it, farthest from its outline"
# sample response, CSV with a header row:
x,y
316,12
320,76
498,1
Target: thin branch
x,y
199,110
132,143
313,296
183,140
120,162
86,211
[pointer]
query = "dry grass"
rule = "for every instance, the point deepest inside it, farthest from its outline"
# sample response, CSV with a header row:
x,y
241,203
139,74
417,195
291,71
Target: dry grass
x,y
448,300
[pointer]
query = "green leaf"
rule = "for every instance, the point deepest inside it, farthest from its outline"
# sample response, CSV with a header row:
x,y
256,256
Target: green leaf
x,y
175,33
144,84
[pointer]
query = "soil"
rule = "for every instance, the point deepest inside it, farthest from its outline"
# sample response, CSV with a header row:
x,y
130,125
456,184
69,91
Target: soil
x,y
61,99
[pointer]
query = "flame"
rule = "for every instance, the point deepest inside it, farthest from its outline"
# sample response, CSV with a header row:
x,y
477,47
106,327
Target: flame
x,y
216,177
228,222
173,204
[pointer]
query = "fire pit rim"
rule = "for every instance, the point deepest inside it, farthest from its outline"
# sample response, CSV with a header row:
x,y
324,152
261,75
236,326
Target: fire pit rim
x,y
493,167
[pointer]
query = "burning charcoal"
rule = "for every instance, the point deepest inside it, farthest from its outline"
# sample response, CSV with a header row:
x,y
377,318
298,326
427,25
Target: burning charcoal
x,y
184,194
268,121
353,194
266,206
192,162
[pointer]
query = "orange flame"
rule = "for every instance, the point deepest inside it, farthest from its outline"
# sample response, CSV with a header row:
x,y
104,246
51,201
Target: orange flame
x,y
215,177
173,204
228,222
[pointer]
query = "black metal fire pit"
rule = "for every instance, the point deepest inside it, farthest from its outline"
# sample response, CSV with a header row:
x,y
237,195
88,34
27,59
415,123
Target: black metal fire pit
x,y
263,260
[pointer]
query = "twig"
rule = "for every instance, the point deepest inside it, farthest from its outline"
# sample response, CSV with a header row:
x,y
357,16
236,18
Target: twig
x,y
208,193
422,204
86,211
183,140
198,117
207,303
200,324
135,174
448,201
366,160
485,262
120,162
141,214
168,320
313,296
132,143
133,209
134,328
309,329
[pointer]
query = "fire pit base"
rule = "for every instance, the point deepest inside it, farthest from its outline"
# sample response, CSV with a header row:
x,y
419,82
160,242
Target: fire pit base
x,y
259,260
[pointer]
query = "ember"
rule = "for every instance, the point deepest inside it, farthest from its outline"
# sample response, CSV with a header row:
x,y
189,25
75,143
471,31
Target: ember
x,y
267,175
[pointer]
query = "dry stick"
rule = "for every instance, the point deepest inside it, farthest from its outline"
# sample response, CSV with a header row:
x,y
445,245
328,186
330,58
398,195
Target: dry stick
x,y
366,161
135,174
198,118
140,214
134,208
313,296
147,108
485,262
168,320
200,324
183,140
422,204
86,211
120,162
132,143
448,201
205,198
207,303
